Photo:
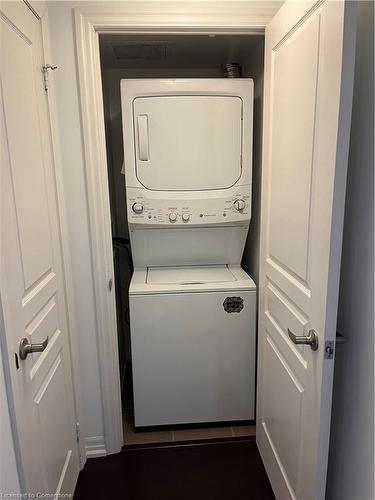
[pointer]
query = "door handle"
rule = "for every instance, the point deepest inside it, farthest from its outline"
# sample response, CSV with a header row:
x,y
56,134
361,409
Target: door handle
x,y
26,348
310,339
143,146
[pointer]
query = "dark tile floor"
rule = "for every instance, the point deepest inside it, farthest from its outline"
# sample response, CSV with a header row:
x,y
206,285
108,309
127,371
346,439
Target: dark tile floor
x,y
133,436
225,470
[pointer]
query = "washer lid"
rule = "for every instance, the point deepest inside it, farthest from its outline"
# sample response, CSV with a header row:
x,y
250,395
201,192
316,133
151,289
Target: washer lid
x,y
177,280
189,275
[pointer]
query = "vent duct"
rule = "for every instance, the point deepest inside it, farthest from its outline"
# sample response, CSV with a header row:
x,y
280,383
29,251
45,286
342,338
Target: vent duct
x,y
232,70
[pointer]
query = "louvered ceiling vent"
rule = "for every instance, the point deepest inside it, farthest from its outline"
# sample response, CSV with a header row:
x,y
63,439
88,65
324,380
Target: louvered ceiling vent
x,y
140,51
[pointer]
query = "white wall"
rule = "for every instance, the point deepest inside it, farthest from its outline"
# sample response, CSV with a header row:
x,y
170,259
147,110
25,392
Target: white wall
x,y
351,462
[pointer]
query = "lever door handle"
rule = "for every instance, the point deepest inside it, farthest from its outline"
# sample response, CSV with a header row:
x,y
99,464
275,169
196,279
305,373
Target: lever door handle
x,y
310,339
26,348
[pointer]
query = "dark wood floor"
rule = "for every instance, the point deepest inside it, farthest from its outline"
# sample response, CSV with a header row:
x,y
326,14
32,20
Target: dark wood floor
x,y
230,470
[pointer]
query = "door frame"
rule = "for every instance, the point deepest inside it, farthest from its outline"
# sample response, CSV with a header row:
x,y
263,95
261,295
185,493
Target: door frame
x,y
142,17
39,10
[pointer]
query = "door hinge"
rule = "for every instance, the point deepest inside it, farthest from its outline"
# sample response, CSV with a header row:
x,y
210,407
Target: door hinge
x,y
329,349
78,432
45,70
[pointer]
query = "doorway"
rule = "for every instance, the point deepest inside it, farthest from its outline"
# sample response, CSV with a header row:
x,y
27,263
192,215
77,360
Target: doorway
x,y
124,56
89,24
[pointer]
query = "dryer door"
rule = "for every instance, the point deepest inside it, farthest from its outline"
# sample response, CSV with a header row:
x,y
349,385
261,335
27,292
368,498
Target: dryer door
x,y
188,143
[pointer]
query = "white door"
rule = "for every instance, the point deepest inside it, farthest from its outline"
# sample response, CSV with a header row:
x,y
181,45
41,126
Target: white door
x,y
309,63
32,281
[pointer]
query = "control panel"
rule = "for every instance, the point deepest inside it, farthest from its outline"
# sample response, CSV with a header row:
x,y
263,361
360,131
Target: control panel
x,y
198,211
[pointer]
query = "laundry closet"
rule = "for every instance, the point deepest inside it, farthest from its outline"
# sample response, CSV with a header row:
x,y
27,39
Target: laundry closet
x,y
174,201
191,248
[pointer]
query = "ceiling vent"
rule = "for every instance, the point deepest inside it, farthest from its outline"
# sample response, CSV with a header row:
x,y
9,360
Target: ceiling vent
x,y
140,51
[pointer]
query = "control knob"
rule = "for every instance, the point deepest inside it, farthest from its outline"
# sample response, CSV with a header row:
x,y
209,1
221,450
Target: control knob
x,y
137,208
186,217
172,217
239,205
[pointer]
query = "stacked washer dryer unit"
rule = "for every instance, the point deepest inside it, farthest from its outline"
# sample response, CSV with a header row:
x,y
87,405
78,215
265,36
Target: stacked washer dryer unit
x,y
188,158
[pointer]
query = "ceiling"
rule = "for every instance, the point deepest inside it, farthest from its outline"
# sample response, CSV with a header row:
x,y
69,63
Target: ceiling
x,y
175,51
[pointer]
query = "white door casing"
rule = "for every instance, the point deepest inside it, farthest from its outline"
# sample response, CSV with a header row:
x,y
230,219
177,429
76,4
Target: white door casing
x,y
32,280
225,17
309,66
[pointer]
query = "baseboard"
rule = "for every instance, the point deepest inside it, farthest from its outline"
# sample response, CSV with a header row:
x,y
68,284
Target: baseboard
x,y
95,447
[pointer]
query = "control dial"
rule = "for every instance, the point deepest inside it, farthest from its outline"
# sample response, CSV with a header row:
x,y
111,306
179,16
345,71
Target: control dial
x,y
137,208
186,217
172,217
239,205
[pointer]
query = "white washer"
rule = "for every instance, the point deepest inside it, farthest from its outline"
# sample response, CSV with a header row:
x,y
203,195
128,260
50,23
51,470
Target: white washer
x,y
187,156
193,345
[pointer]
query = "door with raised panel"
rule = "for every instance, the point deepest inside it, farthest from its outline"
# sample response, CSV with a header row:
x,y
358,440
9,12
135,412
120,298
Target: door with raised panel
x,y
309,65
32,281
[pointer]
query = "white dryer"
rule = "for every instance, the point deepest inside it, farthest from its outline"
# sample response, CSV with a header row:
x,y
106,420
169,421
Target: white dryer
x,y
187,155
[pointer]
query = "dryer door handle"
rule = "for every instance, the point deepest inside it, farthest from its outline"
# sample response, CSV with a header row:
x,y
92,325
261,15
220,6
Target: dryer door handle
x,y
143,143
